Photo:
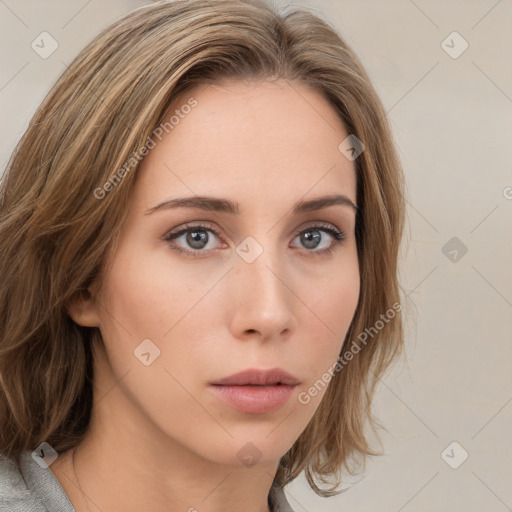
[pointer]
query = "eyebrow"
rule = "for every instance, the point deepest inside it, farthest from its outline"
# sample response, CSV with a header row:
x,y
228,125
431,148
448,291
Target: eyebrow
x,y
215,204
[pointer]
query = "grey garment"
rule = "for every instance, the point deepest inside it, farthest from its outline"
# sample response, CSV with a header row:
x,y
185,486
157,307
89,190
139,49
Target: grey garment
x,y
28,487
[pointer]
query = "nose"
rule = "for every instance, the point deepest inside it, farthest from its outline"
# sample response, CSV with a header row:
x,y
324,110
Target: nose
x,y
262,298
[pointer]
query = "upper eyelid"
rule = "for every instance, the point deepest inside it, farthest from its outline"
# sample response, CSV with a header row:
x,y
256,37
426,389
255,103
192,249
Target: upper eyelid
x,y
188,227
205,225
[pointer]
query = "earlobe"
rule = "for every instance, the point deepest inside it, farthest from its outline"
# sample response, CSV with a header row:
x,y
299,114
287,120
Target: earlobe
x,y
83,309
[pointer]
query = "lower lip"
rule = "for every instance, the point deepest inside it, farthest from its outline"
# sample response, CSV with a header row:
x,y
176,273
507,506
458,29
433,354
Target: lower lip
x,y
255,399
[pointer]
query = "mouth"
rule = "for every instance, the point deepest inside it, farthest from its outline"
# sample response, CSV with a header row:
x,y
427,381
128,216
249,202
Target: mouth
x,y
253,398
258,377
256,391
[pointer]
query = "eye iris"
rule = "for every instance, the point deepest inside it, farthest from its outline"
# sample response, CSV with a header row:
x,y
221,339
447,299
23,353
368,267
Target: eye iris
x,y
196,238
311,239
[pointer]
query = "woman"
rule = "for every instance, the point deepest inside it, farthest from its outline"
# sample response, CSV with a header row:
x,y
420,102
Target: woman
x,y
199,238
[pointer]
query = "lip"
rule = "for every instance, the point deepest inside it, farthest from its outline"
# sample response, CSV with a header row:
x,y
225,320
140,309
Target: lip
x,y
258,377
254,399
256,391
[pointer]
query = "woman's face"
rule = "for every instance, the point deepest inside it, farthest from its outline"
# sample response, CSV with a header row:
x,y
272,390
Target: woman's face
x,y
262,283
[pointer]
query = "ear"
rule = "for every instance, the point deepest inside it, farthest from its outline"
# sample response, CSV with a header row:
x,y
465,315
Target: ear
x,y
82,308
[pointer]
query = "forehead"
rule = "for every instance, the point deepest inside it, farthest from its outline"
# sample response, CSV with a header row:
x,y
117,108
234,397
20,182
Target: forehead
x,y
266,139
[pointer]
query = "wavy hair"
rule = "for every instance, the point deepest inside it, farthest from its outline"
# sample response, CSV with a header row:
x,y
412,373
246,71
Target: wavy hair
x,y
56,233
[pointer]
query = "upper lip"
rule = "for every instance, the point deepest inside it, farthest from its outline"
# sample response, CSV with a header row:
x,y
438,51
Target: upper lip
x,y
258,377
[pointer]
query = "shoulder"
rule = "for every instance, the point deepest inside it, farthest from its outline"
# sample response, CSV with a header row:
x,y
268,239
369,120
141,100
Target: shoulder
x,y
277,499
14,493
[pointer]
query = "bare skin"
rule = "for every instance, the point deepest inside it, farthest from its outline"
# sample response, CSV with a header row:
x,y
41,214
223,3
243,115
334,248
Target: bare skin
x,y
159,438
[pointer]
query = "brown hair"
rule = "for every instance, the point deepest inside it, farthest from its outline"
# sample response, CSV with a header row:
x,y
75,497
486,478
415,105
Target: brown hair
x,y
59,223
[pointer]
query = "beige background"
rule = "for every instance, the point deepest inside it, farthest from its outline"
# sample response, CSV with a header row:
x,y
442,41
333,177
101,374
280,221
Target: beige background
x,y
452,119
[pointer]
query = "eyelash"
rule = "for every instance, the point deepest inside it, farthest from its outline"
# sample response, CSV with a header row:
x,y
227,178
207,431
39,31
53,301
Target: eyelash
x,y
338,238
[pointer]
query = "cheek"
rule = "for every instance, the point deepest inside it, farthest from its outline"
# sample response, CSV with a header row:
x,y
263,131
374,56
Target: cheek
x,y
334,296
330,310
145,295
146,298
145,301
